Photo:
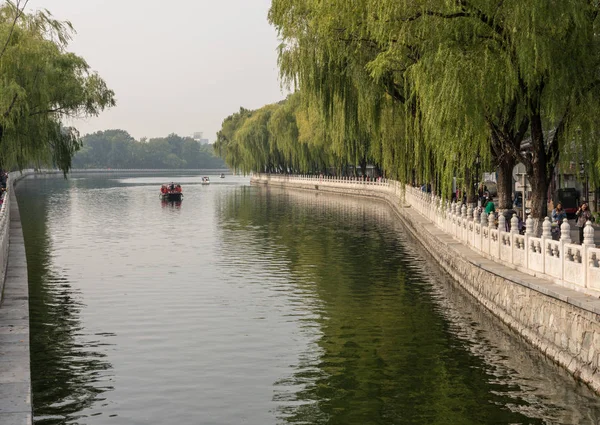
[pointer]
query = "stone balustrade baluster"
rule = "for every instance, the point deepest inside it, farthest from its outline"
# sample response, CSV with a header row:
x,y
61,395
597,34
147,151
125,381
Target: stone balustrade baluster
x,y
514,224
470,213
463,211
476,214
546,228
529,225
492,220
588,234
565,232
484,219
501,223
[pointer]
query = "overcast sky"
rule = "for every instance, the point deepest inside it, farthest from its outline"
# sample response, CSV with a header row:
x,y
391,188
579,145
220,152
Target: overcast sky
x,y
176,67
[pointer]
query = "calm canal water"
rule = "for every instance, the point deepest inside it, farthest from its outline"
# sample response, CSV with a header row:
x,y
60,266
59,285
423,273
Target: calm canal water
x,y
244,305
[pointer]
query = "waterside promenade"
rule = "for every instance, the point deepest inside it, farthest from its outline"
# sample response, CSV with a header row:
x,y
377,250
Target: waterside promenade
x,y
548,291
15,377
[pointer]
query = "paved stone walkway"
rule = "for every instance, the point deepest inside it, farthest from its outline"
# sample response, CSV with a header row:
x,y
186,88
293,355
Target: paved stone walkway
x,y
15,376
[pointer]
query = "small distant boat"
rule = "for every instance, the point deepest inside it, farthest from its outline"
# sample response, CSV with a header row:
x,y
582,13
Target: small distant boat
x,y
222,175
205,180
171,192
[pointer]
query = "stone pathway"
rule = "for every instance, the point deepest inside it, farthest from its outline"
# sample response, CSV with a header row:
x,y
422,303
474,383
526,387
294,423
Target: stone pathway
x,y
15,375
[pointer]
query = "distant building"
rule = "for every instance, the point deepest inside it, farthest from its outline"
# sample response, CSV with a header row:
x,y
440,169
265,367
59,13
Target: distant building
x,y
198,138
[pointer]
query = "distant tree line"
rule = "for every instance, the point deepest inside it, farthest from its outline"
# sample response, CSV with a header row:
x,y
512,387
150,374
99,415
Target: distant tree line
x,y
118,149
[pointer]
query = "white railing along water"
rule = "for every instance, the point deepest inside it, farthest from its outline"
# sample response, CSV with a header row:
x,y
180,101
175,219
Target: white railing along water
x,y
561,261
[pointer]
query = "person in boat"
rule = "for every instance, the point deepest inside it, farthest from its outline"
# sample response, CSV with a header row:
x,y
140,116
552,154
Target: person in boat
x,y
178,188
172,186
163,189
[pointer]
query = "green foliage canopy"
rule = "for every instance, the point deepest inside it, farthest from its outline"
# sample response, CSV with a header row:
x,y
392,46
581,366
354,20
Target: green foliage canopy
x,y
41,84
464,78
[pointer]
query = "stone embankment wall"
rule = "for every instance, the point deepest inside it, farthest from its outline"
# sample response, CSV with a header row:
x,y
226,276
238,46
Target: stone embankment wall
x,y
562,322
15,376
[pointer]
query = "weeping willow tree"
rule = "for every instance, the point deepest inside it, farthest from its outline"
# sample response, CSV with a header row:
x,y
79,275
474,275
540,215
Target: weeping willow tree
x,y
284,137
360,62
524,72
227,146
507,81
298,133
326,60
41,84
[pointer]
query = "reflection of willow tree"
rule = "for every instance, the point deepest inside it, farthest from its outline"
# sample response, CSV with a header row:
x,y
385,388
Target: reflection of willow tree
x,y
66,370
386,353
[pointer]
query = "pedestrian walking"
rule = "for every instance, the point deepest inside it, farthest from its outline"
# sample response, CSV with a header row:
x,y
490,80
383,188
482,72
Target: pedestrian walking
x,y
583,215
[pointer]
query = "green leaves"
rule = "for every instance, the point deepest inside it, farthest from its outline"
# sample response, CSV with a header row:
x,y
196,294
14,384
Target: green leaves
x,y
422,88
41,84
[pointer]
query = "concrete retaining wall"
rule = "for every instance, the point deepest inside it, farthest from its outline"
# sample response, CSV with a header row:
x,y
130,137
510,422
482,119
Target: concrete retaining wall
x,y
561,322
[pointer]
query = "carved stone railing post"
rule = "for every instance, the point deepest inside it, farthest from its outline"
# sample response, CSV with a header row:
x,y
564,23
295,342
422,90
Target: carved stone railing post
x,y
492,221
546,235
565,232
565,238
588,234
588,242
501,223
546,228
529,226
514,224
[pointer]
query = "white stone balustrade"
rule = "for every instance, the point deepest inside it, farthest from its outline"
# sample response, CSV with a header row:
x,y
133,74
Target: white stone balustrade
x,y
565,263
572,265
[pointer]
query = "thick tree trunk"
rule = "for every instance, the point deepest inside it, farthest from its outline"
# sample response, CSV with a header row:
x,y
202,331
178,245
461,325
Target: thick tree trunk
x,y
539,197
539,171
470,188
363,166
505,182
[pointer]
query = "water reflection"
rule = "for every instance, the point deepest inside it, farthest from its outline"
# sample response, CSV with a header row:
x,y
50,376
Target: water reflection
x,y
70,372
170,204
391,339
260,306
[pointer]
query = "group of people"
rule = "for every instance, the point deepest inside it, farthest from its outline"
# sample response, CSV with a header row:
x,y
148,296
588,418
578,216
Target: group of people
x,y
582,216
170,188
